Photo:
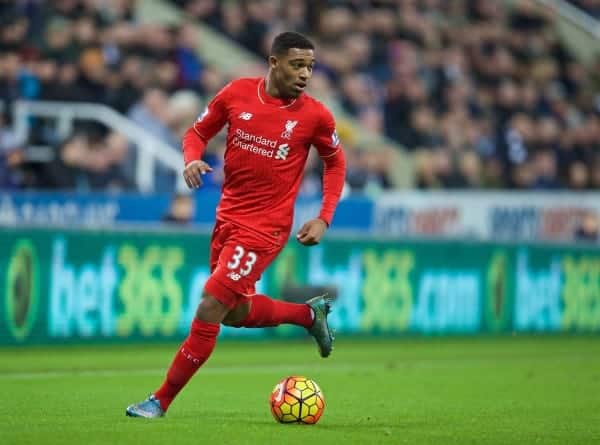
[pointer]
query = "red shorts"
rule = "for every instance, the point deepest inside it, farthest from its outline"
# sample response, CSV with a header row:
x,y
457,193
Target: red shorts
x,y
238,257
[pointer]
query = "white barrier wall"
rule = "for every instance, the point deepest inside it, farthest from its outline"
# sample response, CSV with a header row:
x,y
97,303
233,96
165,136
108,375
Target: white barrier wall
x,y
503,216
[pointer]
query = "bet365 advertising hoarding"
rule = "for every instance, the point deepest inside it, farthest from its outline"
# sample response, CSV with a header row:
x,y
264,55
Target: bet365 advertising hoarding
x,y
76,286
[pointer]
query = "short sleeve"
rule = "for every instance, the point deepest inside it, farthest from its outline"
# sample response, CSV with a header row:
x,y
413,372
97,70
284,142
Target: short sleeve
x,y
326,139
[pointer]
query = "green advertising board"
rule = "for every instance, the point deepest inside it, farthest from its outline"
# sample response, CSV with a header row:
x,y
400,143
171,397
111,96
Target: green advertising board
x,y
73,286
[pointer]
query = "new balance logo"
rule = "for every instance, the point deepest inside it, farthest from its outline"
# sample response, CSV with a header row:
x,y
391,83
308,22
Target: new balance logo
x,y
245,116
234,276
282,152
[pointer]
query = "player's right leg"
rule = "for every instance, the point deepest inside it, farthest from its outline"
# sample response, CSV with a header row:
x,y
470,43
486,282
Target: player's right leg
x,y
216,302
192,354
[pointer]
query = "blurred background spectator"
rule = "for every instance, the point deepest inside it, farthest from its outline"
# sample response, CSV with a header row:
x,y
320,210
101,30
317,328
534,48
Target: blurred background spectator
x,y
181,211
481,95
588,229
11,154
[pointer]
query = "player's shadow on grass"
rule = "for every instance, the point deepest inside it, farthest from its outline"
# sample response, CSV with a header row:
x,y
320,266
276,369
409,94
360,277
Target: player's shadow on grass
x,y
363,424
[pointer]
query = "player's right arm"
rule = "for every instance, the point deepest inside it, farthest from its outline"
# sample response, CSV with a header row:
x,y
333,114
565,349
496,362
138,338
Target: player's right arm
x,y
197,136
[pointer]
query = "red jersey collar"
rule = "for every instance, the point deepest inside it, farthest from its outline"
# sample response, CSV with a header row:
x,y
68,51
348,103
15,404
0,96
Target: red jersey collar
x,y
266,98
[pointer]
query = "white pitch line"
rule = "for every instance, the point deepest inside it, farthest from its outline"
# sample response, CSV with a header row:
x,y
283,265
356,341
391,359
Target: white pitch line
x,y
334,367
392,366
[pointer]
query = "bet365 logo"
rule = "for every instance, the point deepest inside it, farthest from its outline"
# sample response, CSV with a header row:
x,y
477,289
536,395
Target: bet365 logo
x,y
21,289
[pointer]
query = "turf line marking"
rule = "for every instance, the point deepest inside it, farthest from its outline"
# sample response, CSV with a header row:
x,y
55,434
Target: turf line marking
x,y
389,366
334,367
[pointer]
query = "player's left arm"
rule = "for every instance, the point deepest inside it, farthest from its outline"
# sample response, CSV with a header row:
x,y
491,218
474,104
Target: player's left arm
x,y
330,150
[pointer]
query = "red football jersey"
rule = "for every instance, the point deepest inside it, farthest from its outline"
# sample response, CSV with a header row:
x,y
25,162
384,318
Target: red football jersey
x,y
268,140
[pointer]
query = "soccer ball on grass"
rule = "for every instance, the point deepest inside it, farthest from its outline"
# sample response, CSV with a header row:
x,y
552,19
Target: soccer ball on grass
x,y
297,399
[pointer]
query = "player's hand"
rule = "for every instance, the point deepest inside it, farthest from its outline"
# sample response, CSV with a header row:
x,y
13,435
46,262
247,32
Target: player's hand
x,y
193,173
312,232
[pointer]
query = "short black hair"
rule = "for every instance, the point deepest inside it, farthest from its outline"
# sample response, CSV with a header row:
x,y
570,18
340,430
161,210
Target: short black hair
x,y
287,40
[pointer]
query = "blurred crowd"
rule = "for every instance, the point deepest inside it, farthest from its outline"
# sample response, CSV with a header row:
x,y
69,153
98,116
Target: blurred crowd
x,y
482,96
95,51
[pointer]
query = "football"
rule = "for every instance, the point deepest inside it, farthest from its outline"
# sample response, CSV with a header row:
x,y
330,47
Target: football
x,y
297,399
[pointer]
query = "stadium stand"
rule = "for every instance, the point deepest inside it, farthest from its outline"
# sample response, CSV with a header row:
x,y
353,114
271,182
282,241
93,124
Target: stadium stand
x,y
480,95
484,96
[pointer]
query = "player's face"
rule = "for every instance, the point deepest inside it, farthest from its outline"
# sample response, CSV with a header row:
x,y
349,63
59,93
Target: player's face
x,y
293,71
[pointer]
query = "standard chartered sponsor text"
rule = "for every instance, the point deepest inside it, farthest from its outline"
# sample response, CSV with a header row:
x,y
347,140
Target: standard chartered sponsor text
x,y
253,143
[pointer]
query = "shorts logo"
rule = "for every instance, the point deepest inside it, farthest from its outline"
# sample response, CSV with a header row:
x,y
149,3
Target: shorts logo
x,y
282,152
289,129
245,116
234,276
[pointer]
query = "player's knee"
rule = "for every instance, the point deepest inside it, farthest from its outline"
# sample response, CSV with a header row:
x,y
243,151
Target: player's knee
x,y
232,323
218,291
211,310
236,316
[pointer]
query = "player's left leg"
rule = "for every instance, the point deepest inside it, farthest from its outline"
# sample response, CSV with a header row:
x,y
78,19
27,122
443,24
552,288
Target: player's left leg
x,y
260,311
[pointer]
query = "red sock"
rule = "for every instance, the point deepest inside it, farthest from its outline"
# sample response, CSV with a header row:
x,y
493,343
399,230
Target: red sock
x,y
194,351
265,312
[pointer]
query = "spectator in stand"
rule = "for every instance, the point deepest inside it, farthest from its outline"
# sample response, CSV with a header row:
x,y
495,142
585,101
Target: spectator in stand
x,y
152,114
588,229
12,155
181,211
89,163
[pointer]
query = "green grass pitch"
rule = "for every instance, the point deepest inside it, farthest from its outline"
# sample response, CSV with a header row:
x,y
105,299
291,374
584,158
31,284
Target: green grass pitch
x,y
507,390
